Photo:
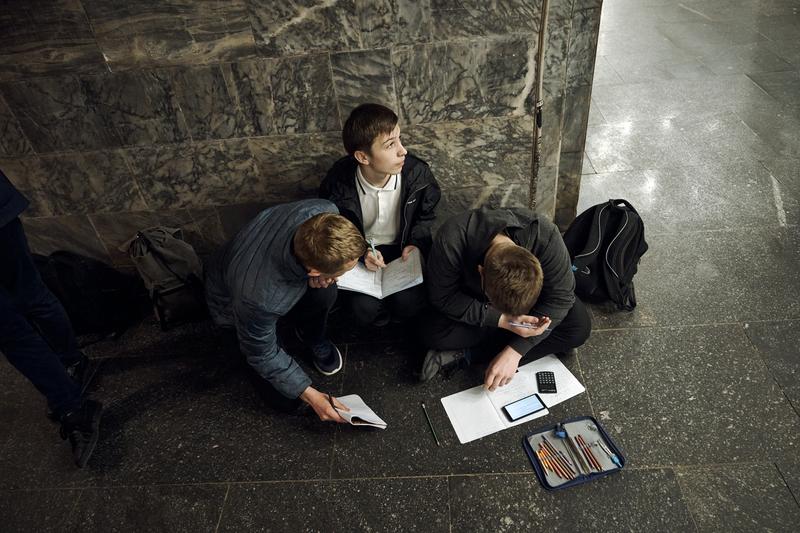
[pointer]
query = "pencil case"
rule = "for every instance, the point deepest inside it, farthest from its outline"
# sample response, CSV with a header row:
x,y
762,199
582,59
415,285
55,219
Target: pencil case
x,y
572,452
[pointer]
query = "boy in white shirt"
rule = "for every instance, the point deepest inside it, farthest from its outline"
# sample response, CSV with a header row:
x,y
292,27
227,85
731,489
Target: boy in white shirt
x,y
391,197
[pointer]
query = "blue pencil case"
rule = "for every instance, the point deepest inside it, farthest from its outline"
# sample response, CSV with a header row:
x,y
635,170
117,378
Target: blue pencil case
x,y
572,452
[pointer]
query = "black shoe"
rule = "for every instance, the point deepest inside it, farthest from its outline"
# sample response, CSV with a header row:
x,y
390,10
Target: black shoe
x,y
327,358
80,374
82,427
436,360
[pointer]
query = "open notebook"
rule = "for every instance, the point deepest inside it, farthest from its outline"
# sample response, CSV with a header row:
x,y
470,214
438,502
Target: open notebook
x,y
359,414
397,276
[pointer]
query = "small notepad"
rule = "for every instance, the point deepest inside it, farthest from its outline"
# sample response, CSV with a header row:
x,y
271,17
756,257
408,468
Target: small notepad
x,y
359,414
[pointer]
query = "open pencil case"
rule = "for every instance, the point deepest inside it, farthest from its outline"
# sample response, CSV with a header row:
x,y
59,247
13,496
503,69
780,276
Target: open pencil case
x,y
572,452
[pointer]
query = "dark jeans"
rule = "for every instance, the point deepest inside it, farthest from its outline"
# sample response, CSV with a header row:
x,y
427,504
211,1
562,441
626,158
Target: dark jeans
x,y
401,305
442,333
35,333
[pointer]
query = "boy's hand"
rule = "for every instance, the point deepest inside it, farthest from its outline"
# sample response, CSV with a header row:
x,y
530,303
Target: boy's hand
x,y
526,325
501,370
374,262
322,404
407,251
318,282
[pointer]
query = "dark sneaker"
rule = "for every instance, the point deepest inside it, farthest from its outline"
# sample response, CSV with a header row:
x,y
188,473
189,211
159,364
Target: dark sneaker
x,y
80,374
436,360
327,358
82,428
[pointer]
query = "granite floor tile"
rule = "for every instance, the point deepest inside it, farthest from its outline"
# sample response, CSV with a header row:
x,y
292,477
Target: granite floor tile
x,y
743,59
696,37
37,510
783,86
692,98
690,198
691,278
157,429
641,66
790,471
384,375
739,498
779,345
687,396
638,500
416,504
776,123
155,508
788,49
785,187
636,146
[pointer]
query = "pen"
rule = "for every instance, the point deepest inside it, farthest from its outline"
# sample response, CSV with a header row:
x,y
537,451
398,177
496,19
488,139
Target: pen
x,y
372,245
430,425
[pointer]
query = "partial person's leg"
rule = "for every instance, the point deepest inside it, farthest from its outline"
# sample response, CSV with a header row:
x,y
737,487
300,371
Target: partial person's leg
x,y
311,313
366,310
409,303
572,332
32,297
439,332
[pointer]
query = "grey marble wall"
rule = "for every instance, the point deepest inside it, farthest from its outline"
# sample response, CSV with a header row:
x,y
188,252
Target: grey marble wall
x,y
119,115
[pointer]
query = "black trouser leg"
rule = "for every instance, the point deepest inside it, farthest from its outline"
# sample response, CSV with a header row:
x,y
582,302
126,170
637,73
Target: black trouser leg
x,y
311,313
23,298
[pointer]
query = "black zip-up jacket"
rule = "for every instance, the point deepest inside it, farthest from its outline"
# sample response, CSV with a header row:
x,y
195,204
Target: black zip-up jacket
x,y
12,203
454,284
421,193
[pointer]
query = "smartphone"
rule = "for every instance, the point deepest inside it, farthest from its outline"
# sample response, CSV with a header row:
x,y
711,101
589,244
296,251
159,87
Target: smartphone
x,y
524,407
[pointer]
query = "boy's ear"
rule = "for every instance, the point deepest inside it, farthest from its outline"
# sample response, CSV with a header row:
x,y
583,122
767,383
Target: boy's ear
x,y
313,272
362,157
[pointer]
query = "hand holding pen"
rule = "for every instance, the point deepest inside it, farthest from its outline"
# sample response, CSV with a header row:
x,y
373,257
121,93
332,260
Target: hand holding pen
x,y
373,259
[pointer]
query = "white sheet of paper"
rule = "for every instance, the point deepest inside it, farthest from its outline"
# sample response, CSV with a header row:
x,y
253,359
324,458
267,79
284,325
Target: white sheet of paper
x,y
475,414
361,279
359,411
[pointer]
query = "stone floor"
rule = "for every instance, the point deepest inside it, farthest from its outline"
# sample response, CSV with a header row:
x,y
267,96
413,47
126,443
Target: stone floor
x,y
695,120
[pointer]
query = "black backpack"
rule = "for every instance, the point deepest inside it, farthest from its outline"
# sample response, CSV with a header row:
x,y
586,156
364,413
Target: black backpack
x,y
97,298
605,243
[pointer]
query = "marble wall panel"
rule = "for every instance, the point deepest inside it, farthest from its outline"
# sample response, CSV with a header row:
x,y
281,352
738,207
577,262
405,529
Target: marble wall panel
x,y
559,27
170,32
576,118
234,217
45,38
30,175
209,101
487,153
116,229
464,80
140,105
455,201
12,138
91,182
544,191
302,89
211,234
454,19
301,26
73,233
194,175
360,77
292,167
55,115
552,123
254,90
569,183
582,47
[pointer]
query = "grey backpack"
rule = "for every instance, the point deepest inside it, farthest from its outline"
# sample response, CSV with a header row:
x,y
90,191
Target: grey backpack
x,y
172,274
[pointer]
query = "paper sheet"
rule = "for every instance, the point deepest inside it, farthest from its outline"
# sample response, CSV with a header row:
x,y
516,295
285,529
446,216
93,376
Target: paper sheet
x,y
359,414
476,412
397,276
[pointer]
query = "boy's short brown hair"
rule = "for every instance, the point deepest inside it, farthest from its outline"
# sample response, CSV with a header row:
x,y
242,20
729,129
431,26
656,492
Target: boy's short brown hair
x,y
364,124
327,242
512,279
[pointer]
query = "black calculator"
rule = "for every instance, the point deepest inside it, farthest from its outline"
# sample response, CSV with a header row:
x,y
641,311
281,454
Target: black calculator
x,y
546,382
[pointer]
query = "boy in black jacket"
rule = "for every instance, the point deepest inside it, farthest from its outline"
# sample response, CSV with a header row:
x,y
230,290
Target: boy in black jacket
x,y
501,282
390,196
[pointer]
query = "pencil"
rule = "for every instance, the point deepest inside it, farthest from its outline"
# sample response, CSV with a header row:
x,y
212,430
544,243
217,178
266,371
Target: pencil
x,y
591,455
557,453
430,425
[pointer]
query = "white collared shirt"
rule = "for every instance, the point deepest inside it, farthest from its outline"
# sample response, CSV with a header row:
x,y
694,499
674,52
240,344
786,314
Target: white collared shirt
x,y
380,208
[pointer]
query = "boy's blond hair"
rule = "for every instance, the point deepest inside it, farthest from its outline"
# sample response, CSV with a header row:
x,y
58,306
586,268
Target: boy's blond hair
x,y
512,279
327,242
